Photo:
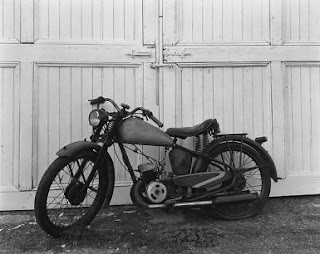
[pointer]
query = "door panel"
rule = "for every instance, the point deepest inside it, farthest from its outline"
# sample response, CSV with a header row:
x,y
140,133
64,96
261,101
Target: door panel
x,y
221,21
88,21
238,97
63,108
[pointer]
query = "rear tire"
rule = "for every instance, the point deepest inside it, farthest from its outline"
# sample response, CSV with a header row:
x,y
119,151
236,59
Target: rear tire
x,y
255,182
63,202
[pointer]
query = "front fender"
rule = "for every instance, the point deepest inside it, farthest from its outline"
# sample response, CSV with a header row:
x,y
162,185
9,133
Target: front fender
x,y
74,148
255,145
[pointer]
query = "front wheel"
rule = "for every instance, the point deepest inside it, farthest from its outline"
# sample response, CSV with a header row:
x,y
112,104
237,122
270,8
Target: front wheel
x,y
251,177
65,198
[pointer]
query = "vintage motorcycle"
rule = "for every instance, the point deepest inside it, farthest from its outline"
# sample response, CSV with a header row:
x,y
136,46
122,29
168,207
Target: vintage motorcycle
x,y
229,175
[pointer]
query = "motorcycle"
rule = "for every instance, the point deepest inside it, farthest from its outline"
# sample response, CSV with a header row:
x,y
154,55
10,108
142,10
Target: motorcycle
x,y
228,175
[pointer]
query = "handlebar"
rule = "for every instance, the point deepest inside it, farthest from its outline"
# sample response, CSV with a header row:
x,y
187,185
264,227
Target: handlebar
x,y
101,100
146,112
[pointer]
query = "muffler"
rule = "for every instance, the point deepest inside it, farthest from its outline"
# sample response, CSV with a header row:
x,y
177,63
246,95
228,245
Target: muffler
x,y
217,200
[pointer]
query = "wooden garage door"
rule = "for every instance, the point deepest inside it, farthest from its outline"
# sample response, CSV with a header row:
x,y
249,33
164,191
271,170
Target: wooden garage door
x,y
54,57
253,65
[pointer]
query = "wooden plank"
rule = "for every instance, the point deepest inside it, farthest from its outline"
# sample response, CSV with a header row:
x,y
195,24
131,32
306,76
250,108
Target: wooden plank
x,y
54,20
86,90
228,99
217,20
8,117
119,20
76,103
107,20
257,17
197,25
149,21
247,32
42,123
197,98
238,100
208,97
2,126
248,102
65,20
258,107
267,128
294,9
314,17
187,19
86,20
169,20
247,54
42,21
296,119
8,19
129,20
97,20
26,122
305,119
138,22
207,20
97,82
16,128
292,186
237,20
227,19
187,107
65,106
76,20
304,20
26,11
315,120
218,101
53,113
276,22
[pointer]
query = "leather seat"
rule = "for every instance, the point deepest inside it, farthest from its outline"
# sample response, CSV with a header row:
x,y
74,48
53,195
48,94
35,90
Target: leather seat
x,y
196,130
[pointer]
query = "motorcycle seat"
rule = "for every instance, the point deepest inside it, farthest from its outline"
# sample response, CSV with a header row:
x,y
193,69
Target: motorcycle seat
x,y
184,132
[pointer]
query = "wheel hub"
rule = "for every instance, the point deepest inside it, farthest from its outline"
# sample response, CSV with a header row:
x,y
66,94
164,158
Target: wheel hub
x,y
240,182
75,193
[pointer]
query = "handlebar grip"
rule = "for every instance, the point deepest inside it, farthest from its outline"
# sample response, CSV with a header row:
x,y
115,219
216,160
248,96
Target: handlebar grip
x,y
151,116
99,100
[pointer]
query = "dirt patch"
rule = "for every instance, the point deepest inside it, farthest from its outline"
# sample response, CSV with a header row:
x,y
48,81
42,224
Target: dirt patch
x,y
286,225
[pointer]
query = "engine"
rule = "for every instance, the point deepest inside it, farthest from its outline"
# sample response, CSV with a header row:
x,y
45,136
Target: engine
x,y
153,188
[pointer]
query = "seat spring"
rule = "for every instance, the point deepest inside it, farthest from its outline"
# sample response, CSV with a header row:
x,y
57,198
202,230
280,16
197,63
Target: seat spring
x,y
200,142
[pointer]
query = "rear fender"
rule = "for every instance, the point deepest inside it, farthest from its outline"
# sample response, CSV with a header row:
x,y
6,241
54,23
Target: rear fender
x,y
255,145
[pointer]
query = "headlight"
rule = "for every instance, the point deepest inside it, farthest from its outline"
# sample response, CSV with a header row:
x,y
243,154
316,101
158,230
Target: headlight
x,y
94,118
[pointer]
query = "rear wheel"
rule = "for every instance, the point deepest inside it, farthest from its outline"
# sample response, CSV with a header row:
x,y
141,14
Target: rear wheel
x,y
64,199
251,177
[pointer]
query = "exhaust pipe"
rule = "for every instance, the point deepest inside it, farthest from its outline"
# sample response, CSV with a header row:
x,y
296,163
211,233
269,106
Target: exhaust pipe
x,y
217,200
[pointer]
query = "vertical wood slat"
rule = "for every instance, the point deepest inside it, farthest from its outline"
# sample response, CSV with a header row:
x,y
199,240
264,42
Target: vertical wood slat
x,y
10,21
88,20
302,22
217,21
26,24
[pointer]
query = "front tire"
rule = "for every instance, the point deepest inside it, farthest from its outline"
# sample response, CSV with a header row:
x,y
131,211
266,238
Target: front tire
x,y
242,158
63,200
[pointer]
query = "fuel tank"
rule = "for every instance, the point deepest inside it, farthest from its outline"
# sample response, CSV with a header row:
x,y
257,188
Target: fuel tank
x,y
136,131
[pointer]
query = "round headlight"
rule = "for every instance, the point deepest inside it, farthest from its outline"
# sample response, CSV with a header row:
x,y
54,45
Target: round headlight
x,y
94,118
